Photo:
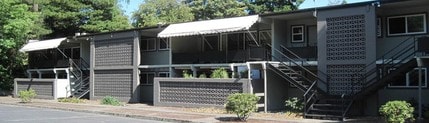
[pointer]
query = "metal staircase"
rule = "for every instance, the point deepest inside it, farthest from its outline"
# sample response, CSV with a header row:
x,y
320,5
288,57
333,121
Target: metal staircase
x,y
319,103
79,78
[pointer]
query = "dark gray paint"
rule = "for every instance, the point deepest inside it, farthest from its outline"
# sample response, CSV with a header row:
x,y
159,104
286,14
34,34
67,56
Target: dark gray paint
x,y
196,92
44,87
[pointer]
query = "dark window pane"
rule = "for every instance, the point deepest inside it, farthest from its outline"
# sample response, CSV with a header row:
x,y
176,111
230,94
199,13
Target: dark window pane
x,y
143,78
151,44
163,75
163,44
413,77
399,81
297,37
150,78
211,43
76,53
297,30
415,24
67,52
397,25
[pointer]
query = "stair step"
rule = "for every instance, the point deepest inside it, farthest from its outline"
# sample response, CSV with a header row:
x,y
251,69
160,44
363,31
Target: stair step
x,y
328,105
326,110
260,94
260,105
324,115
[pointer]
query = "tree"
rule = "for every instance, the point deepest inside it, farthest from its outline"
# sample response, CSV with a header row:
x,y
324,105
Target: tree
x,y
211,9
66,17
17,24
268,6
153,12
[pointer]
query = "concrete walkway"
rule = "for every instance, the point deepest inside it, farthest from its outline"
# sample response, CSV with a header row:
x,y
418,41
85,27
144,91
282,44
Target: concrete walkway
x,y
143,111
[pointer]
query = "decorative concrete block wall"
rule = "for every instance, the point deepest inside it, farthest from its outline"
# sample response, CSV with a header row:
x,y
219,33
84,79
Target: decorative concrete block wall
x,y
196,92
44,87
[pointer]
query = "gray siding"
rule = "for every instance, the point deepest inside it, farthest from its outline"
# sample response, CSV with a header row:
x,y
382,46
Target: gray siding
x,y
196,92
346,45
44,87
116,83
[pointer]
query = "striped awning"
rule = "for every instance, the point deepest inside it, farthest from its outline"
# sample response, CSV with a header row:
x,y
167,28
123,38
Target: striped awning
x,y
209,26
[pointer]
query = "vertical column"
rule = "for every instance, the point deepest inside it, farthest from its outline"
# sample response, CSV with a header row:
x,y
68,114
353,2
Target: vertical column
x,y
136,62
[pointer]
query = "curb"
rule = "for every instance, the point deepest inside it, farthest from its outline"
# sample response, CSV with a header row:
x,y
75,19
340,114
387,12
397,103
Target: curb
x,y
104,113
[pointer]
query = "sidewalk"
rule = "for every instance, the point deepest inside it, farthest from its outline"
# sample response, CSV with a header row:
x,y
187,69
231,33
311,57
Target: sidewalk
x,y
144,111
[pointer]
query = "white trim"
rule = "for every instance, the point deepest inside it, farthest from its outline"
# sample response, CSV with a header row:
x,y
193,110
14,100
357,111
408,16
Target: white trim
x,y
406,24
292,34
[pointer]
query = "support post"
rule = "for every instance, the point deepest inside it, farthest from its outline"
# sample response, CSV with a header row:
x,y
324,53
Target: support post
x,y
420,64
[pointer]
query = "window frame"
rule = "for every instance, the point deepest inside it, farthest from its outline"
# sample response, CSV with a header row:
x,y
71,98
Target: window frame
x,y
146,40
147,82
407,80
406,24
292,34
379,27
167,40
167,73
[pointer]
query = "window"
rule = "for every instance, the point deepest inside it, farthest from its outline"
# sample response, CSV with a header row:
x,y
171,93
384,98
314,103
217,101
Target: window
x,y
251,38
148,44
211,43
379,27
163,74
408,24
147,78
411,79
236,41
164,44
265,36
73,53
297,33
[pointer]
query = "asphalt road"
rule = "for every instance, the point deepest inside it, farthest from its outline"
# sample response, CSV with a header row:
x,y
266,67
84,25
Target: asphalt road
x,y
19,114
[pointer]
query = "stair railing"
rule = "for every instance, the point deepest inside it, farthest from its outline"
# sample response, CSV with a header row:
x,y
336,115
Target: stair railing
x,y
80,81
391,59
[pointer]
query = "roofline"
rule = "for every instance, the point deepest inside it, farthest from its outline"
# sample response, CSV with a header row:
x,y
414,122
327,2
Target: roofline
x,y
320,8
116,31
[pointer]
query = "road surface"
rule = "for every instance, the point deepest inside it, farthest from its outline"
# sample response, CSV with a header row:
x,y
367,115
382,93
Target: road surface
x,y
20,114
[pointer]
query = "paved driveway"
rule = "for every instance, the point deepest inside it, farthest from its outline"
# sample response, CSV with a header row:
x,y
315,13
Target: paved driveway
x,y
19,114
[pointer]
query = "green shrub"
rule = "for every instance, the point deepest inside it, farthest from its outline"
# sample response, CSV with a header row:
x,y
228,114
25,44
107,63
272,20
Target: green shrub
x,y
27,95
109,100
71,100
219,73
294,104
202,76
397,111
185,74
241,104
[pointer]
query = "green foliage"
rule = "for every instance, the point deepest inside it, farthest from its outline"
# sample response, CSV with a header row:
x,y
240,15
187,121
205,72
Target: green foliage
x,y
154,12
268,6
186,74
27,95
219,73
17,24
202,76
241,104
109,100
71,100
397,111
211,9
66,17
294,104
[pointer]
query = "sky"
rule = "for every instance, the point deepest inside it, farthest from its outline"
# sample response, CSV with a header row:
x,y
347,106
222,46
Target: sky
x,y
134,4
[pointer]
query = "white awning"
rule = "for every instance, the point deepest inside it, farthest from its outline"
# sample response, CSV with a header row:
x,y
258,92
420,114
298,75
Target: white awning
x,y
42,45
209,26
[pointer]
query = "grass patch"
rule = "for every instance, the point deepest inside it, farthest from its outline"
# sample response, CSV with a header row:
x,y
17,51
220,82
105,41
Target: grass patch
x,y
109,100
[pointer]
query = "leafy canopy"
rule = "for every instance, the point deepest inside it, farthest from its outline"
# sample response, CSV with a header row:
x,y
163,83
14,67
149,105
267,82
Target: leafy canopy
x,y
154,12
17,24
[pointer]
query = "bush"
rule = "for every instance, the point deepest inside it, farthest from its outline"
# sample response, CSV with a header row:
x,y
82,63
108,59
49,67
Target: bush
x,y
241,104
202,76
27,95
185,74
109,100
294,104
71,100
397,111
219,73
